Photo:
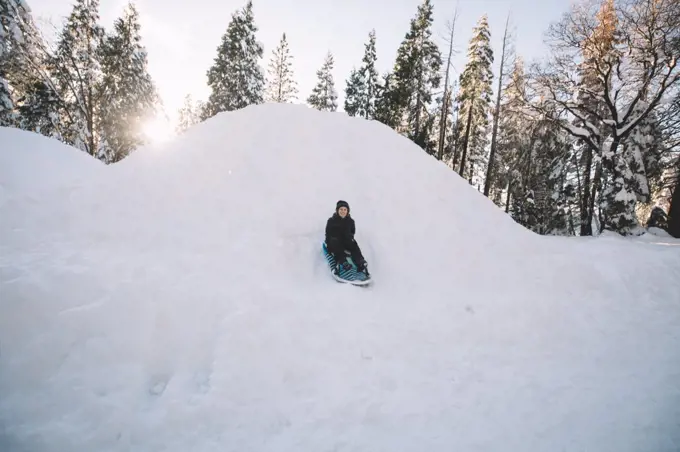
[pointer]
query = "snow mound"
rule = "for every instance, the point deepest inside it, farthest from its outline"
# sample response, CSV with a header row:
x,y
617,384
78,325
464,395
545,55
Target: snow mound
x,y
658,232
44,164
178,300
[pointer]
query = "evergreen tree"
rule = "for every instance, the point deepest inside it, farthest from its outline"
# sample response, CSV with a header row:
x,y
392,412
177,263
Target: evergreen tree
x,y
77,71
550,154
324,97
362,86
369,77
281,86
6,104
353,93
189,114
416,76
38,110
387,102
532,162
474,99
236,79
128,96
539,189
513,139
13,17
20,61
658,219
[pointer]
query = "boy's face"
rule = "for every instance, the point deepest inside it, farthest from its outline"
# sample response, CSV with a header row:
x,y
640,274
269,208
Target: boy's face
x,y
342,211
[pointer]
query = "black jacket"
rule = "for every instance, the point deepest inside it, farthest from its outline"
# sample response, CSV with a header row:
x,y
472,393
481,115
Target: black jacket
x,y
340,228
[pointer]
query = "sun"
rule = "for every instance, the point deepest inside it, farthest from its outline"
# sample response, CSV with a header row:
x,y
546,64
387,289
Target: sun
x,y
158,130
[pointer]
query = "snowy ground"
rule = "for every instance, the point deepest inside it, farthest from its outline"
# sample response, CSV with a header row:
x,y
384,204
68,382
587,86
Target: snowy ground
x,y
179,301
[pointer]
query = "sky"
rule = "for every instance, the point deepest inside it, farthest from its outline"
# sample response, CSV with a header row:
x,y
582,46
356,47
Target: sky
x,y
181,38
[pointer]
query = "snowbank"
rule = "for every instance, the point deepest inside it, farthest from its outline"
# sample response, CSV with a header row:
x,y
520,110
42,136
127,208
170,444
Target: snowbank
x,y
179,301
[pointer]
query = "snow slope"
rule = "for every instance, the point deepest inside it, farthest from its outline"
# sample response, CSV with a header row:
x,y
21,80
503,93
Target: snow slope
x,y
179,301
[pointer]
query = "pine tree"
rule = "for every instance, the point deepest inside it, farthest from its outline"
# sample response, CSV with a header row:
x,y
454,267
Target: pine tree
x,y
387,102
369,75
281,86
550,156
38,110
324,96
353,93
189,114
236,79
513,138
20,56
128,96
532,162
537,154
658,219
362,86
78,75
6,104
13,16
474,99
416,76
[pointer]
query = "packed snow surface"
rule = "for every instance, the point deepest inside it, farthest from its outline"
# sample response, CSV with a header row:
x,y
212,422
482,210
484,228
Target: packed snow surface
x,y
179,300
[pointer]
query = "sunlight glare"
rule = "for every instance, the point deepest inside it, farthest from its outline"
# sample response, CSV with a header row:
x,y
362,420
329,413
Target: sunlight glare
x,y
159,130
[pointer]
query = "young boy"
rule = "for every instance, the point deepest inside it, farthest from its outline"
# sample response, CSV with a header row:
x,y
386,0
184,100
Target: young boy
x,y
340,232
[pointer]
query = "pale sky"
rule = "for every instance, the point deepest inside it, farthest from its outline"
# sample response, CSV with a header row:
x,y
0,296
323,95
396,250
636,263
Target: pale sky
x,y
182,37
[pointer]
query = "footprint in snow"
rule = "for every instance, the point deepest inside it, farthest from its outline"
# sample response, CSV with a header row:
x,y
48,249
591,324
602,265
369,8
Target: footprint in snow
x,y
158,385
202,381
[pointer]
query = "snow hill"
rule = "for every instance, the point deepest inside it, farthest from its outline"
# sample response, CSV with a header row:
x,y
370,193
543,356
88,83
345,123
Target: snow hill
x,y
179,301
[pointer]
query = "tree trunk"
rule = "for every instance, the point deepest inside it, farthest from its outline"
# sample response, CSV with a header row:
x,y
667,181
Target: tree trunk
x,y
447,94
90,121
467,137
596,186
586,225
456,142
89,103
442,122
492,154
507,200
674,211
416,132
578,183
610,165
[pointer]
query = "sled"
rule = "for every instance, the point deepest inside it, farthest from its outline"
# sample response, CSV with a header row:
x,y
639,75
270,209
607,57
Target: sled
x,y
350,276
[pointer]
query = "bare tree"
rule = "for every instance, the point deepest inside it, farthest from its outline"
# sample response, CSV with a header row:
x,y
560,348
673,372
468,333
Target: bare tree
x,y
447,92
506,56
629,54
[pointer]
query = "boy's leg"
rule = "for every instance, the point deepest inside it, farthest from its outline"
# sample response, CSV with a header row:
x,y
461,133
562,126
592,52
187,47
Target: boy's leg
x,y
357,256
336,249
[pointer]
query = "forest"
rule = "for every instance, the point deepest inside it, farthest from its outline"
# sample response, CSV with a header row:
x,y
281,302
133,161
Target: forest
x,y
585,140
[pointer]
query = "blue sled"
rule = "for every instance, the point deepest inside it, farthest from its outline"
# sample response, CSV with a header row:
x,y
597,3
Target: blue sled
x,y
351,276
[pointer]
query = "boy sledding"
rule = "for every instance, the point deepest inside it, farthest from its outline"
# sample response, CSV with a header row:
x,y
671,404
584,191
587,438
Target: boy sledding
x,y
340,242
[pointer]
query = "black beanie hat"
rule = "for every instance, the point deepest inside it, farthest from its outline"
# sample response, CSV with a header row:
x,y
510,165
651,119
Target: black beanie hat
x,y
341,203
